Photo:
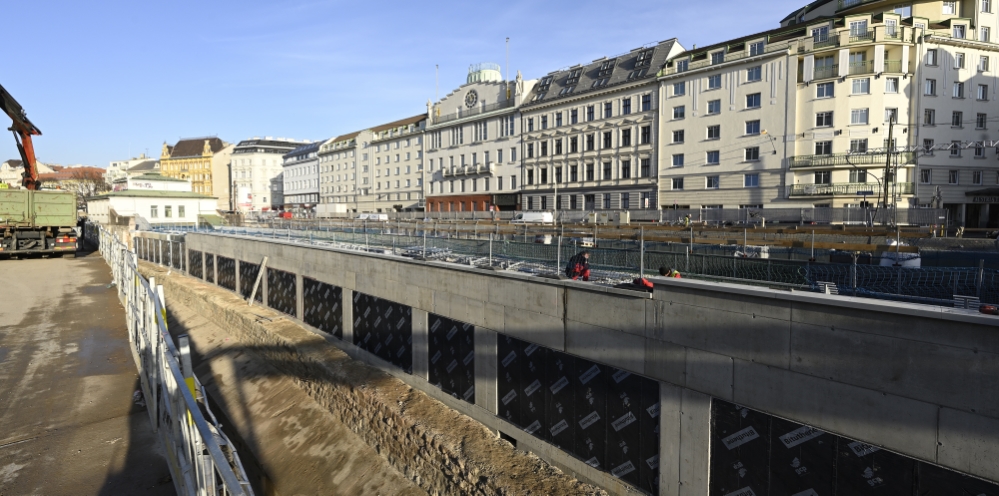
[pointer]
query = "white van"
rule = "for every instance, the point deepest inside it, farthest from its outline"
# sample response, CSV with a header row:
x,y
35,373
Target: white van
x,y
533,218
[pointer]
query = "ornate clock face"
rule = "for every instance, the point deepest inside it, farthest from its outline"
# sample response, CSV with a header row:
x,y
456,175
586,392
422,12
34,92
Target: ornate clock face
x,y
471,98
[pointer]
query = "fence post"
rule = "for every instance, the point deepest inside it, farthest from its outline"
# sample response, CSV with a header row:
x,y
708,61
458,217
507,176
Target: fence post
x,y
641,251
558,253
853,274
688,260
425,242
490,249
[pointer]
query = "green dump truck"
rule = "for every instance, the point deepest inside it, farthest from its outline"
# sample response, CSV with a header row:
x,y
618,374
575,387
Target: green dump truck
x,y
37,222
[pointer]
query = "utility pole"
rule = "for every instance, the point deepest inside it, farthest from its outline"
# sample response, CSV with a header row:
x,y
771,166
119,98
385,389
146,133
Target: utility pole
x,y
891,128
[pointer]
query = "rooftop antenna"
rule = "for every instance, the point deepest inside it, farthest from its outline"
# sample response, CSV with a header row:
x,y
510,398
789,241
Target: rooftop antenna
x,y
507,58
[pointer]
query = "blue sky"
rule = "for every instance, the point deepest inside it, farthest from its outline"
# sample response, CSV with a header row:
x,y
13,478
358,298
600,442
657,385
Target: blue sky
x,y
105,79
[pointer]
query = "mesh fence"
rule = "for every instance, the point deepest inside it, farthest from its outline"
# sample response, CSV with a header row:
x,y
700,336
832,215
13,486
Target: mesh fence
x,y
621,261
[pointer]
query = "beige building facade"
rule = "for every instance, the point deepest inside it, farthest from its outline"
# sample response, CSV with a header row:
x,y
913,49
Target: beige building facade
x,y
191,159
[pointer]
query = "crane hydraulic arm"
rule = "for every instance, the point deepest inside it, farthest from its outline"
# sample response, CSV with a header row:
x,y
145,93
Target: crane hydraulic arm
x,y
23,130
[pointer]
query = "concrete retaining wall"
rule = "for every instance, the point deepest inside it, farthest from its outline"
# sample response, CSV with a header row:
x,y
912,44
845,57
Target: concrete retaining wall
x,y
918,380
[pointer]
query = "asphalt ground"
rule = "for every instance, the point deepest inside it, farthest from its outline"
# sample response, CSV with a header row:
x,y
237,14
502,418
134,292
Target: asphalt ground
x,y
68,424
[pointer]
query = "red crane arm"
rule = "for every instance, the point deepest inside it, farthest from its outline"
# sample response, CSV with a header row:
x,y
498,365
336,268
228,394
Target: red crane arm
x,y
23,130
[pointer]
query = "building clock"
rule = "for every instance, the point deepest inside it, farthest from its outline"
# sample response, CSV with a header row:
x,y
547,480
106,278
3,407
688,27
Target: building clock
x,y
471,98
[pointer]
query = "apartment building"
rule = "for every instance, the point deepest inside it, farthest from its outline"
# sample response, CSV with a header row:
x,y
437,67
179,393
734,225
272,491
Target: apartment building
x,y
191,158
473,143
256,167
589,134
726,112
301,178
393,164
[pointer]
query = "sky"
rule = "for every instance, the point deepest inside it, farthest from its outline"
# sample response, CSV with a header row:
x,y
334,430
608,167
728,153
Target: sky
x,y
108,80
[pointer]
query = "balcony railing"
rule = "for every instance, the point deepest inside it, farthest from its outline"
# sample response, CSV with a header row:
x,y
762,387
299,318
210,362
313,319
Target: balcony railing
x,y
872,158
856,37
828,71
830,41
865,67
894,34
846,4
850,189
480,109
468,170
894,66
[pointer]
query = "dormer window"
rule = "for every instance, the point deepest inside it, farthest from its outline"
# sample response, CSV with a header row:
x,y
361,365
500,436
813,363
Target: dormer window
x,y
950,8
818,34
606,68
904,10
717,58
545,83
682,65
960,31
756,48
573,77
599,82
645,58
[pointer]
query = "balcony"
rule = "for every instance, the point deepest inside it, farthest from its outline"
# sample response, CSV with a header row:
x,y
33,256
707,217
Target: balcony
x,y
469,170
865,67
894,66
828,42
480,109
847,189
861,36
829,71
873,158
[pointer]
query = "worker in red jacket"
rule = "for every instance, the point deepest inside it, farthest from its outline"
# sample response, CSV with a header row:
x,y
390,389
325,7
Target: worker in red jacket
x,y
579,266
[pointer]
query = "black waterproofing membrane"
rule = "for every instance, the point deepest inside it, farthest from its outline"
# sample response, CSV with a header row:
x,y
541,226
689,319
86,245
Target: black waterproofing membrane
x,y
210,268
247,277
323,306
385,329
281,293
227,272
451,350
194,268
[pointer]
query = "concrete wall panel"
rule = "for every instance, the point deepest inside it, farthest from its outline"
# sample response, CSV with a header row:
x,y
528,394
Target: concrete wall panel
x,y
620,349
969,443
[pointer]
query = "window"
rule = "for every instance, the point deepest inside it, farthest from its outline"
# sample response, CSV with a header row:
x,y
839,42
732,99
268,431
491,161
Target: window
x,y
607,139
753,101
530,203
858,176
646,103
861,86
955,148
589,142
858,28
924,176
544,150
714,106
959,60
957,119
930,87
544,122
678,136
530,150
677,160
625,201
980,121
959,31
754,74
645,167
983,63
858,116
929,117
573,116
752,154
153,211
949,8
513,154
573,202
679,89
558,147
824,90
891,115
626,169
530,177
824,119
181,211
608,110
891,28
607,170
513,181
979,150
931,56
626,137
820,34
823,147
681,65
891,85
953,177
574,173
751,180
756,48
983,92
713,157
976,177
717,58
589,172
626,106
714,132
753,127
574,144
677,183
985,34
168,210
679,112
530,124
822,177
544,175
858,145
711,182
589,112
646,135
714,82
986,6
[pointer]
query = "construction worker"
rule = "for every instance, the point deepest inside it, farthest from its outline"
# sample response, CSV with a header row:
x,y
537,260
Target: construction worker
x,y
579,266
670,272
686,220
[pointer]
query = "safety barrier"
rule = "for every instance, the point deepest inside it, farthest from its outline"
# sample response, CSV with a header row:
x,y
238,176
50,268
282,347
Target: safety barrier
x,y
202,460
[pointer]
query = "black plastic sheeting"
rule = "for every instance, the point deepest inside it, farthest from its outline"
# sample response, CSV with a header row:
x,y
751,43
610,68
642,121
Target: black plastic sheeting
x,y
194,268
452,356
323,306
247,277
607,417
753,453
210,267
227,272
177,260
384,329
281,291
164,250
